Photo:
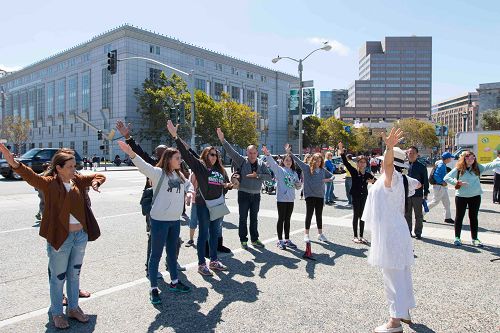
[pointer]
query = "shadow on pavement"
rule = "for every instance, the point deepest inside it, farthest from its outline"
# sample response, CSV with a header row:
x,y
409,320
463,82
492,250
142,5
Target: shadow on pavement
x,y
421,328
271,259
182,312
74,325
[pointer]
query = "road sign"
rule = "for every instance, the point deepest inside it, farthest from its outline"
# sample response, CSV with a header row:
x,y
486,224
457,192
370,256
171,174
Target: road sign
x,y
305,84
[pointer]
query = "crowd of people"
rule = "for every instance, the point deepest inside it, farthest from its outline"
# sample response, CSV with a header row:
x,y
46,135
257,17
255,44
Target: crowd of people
x,y
179,177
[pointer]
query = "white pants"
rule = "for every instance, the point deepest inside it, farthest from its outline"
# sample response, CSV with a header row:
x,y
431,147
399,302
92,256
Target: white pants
x,y
399,291
441,194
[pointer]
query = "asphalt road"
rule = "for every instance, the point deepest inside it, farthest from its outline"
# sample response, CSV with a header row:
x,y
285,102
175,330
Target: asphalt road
x,y
457,289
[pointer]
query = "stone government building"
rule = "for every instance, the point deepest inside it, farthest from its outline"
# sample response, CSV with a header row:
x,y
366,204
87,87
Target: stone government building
x,y
76,81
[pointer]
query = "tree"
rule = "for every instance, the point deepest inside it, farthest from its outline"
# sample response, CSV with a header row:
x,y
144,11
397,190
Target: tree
x,y
16,130
161,100
209,116
238,122
490,120
417,133
332,131
364,140
310,126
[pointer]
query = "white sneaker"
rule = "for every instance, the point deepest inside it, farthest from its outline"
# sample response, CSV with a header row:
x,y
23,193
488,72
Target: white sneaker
x,y
306,238
322,238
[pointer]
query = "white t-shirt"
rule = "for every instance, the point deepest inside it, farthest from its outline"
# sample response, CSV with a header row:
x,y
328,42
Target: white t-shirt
x,y
72,219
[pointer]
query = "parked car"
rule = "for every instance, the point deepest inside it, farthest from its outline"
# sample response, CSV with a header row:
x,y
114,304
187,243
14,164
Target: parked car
x,y
35,158
339,166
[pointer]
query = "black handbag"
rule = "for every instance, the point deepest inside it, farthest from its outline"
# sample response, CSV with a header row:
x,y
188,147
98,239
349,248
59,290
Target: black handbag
x,y
148,197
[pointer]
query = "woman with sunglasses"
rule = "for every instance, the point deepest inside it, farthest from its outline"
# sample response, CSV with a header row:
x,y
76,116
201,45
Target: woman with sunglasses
x,y
465,178
213,183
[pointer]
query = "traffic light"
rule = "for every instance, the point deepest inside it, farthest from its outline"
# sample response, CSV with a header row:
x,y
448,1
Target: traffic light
x,y
99,135
112,62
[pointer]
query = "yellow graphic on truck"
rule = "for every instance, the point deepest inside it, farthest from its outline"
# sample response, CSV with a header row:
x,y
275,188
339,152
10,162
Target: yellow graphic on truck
x,y
487,147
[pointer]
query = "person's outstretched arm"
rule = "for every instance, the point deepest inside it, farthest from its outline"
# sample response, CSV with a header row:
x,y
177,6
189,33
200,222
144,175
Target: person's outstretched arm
x,y
136,148
392,140
303,166
348,165
237,158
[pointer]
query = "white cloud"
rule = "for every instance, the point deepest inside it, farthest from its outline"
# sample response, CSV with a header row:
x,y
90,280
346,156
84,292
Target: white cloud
x,y
10,68
337,46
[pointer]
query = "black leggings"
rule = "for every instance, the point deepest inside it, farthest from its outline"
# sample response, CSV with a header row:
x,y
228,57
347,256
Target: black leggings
x,y
461,204
314,205
358,205
285,210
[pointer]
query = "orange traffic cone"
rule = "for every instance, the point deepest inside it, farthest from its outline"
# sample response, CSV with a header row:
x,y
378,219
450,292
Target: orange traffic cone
x,y
308,253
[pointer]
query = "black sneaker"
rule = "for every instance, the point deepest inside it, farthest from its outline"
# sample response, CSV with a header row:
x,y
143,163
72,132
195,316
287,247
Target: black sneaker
x,y
154,296
449,221
189,243
419,237
179,287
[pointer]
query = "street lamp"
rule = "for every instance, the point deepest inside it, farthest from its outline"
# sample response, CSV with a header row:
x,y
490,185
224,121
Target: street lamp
x,y
326,47
464,116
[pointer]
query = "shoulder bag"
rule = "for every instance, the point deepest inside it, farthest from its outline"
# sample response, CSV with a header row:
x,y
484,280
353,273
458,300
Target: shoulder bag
x,y
148,197
217,207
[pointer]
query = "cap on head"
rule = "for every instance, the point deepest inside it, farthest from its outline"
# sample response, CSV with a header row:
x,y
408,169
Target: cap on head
x,y
446,155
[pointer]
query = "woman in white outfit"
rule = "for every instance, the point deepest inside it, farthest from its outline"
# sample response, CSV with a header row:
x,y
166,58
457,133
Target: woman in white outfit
x,y
391,247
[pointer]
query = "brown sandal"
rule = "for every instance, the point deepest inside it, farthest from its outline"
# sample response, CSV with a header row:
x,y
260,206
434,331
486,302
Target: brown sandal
x,y
60,322
78,315
83,293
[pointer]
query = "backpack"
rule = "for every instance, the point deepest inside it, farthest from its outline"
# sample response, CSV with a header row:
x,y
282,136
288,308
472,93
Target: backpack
x,y
432,181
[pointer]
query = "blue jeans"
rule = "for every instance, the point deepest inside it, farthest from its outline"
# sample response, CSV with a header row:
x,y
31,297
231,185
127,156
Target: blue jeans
x,y
207,230
65,265
348,185
193,219
328,192
163,232
248,202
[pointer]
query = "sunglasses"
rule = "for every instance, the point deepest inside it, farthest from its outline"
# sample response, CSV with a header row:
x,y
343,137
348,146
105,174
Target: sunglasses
x,y
469,156
213,155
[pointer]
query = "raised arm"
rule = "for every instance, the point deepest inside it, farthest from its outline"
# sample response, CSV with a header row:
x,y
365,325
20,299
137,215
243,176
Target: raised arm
x,y
27,173
348,165
269,159
394,137
94,180
145,168
297,160
451,177
125,132
194,163
489,166
235,156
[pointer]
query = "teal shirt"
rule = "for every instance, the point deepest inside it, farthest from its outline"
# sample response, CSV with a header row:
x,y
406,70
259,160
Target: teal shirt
x,y
473,187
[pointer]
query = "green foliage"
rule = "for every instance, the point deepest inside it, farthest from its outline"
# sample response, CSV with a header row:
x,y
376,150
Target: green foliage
x,y
417,133
310,126
490,120
331,132
238,122
160,101
364,141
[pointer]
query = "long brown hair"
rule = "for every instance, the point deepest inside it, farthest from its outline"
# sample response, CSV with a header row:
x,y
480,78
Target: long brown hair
x,y
59,159
164,163
218,164
313,159
462,165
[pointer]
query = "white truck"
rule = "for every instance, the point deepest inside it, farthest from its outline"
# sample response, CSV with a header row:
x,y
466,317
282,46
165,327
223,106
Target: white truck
x,y
485,144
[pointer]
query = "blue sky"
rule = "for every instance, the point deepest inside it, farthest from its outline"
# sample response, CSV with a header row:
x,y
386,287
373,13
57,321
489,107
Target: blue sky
x,y
466,47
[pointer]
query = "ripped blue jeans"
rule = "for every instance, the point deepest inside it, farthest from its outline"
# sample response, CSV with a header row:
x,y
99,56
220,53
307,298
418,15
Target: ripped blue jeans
x,y
65,265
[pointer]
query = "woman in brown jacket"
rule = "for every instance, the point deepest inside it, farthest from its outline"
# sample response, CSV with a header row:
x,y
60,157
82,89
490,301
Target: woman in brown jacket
x,y
63,225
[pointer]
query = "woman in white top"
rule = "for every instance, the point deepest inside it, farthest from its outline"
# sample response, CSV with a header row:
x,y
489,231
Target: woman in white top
x,y
391,247
165,213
